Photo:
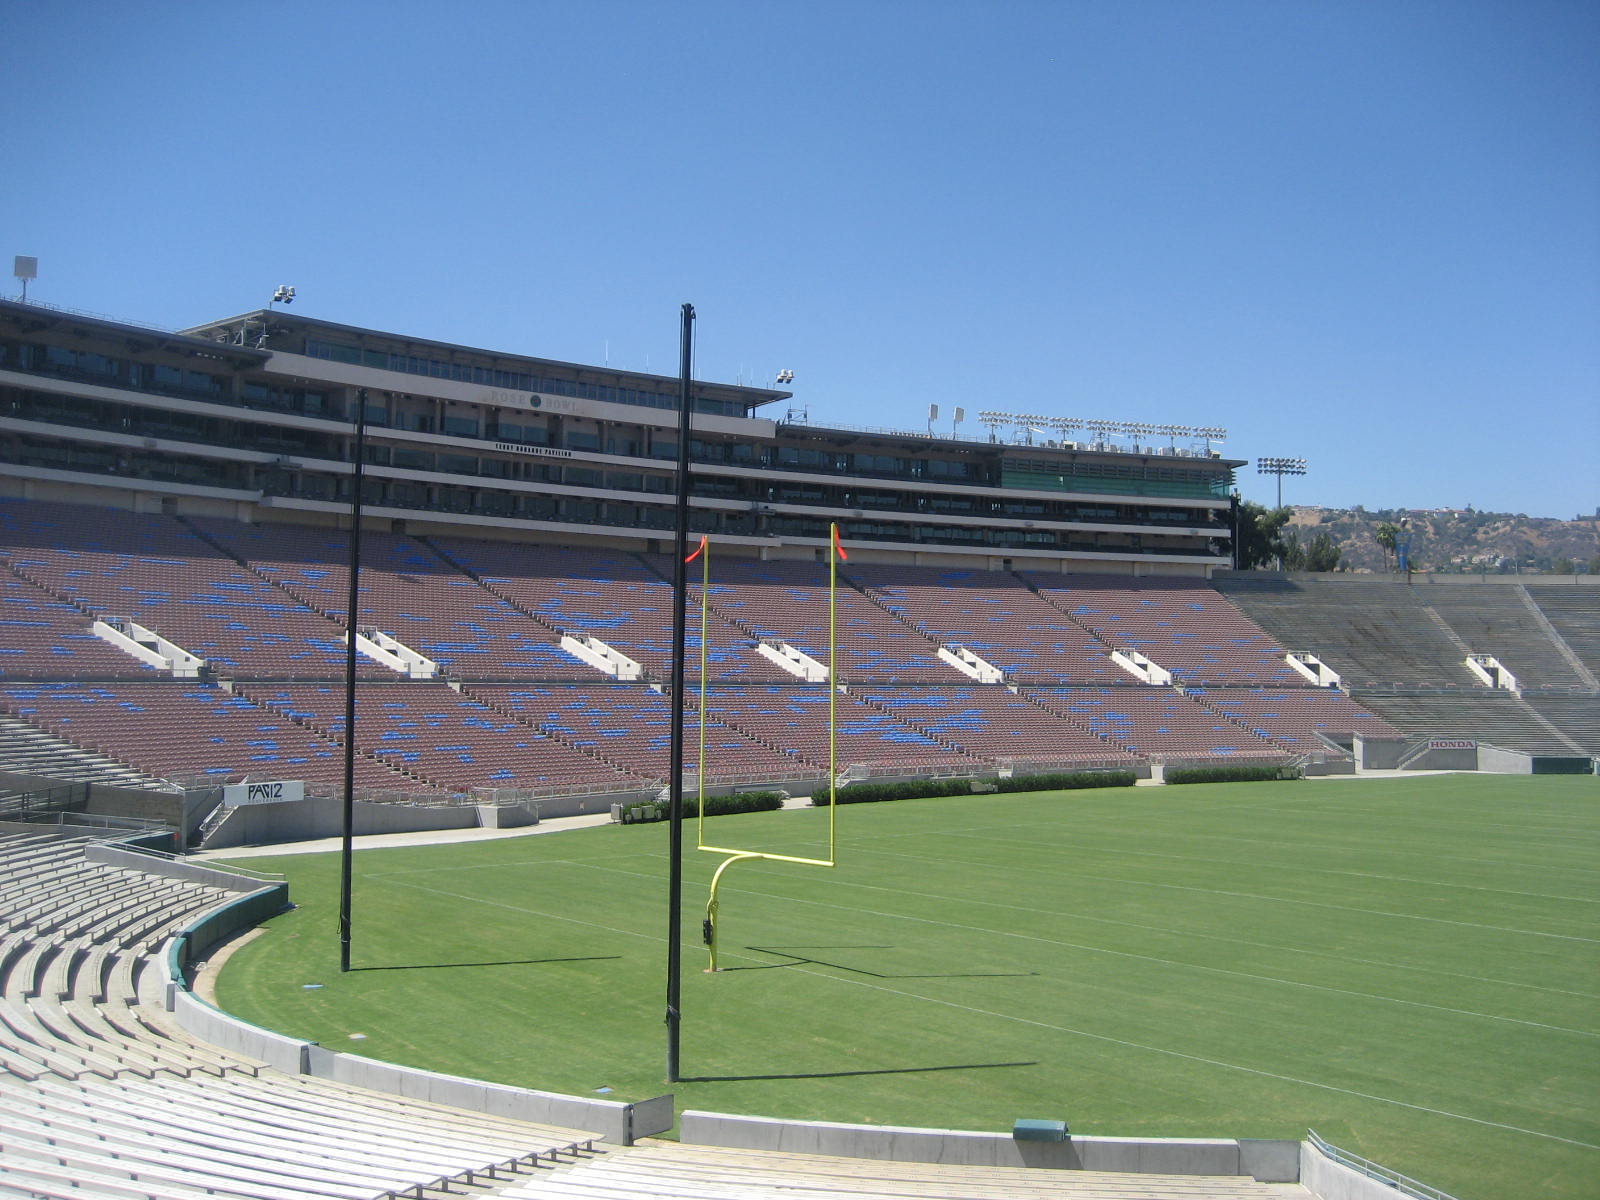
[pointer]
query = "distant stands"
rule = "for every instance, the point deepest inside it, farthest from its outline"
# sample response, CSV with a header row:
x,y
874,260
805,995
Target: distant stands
x,y
158,572
408,592
629,728
1401,649
997,725
1575,616
1499,718
188,729
788,602
1371,633
991,614
1305,720
527,649
794,720
1185,627
437,734
1158,723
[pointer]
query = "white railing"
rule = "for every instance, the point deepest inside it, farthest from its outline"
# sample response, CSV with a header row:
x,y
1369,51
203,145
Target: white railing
x,y
1372,1170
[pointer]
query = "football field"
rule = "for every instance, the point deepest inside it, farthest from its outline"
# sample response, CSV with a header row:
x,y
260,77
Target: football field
x,y
1407,966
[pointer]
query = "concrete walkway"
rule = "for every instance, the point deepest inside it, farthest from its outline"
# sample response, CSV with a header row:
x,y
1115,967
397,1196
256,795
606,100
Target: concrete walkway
x,y
424,837
436,837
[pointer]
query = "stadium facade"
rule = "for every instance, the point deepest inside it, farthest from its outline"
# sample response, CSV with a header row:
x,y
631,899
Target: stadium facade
x,y
252,418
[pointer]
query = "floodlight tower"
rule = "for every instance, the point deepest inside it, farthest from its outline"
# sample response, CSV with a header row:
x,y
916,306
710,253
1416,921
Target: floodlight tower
x,y
1281,467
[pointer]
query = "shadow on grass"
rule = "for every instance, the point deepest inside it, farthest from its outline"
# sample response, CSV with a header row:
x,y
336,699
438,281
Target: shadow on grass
x,y
510,962
849,1074
797,960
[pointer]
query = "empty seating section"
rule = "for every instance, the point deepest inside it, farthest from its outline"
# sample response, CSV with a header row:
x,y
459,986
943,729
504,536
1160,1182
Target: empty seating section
x,y
187,729
631,727
994,616
789,601
1577,714
794,720
408,592
1574,613
614,597
1183,626
264,606
994,724
1500,621
104,1095
1293,717
1371,633
44,638
1498,718
1158,723
156,571
449,739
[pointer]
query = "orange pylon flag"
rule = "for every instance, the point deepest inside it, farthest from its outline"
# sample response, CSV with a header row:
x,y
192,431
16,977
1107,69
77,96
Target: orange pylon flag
x,y
698,550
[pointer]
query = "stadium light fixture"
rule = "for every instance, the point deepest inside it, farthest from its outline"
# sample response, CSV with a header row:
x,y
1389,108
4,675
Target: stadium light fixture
x,y
284,295
1281,467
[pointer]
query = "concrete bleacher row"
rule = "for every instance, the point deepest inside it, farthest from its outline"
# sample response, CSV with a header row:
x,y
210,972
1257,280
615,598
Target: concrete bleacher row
x,y
672,1171
105,1096
1401,650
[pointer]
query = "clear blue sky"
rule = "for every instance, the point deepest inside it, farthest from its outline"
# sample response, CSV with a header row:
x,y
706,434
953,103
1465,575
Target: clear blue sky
x,y
1363,232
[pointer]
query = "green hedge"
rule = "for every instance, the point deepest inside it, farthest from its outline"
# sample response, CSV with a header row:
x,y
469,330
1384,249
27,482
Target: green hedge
x,y
899,789
716,806
1065,781
1235,774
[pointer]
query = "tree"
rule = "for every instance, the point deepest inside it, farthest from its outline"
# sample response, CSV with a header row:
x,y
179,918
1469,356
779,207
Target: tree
x,y
1290,552
1260,529
1387,535
1321,554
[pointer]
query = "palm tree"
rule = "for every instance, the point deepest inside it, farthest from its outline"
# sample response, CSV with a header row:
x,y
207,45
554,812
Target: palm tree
x,y
1387,535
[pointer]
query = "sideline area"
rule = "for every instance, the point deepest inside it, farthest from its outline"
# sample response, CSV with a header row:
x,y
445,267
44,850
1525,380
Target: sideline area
x,y
436,837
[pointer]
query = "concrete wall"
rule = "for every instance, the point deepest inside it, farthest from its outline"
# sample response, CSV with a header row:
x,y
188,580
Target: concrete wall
x,y
1504,762
1329,1180
167,868
1276,1162
107,800
1445,760
323,817
1378,754
613,1120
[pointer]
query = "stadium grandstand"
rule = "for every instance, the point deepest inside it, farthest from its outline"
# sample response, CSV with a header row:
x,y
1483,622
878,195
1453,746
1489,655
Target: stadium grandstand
x,y
174,528
174,549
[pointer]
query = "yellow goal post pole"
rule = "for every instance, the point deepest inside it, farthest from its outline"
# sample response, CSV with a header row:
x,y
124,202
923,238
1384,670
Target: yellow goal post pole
x,y
705,599
713,903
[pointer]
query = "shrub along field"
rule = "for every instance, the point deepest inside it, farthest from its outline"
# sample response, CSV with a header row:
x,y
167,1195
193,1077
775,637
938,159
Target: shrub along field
x,y
1406,966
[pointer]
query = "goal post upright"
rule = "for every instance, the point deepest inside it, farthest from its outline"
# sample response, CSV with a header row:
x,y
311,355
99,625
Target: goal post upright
x,y
835,553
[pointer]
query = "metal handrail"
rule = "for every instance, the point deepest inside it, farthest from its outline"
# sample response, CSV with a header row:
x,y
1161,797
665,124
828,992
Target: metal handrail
x,y
1401,1183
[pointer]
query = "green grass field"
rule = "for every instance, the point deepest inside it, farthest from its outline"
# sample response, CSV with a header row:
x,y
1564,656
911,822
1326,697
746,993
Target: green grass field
x,y
1408,967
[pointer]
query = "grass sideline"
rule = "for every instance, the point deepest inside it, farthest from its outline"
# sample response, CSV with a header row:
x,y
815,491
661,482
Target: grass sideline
x,y
1407,966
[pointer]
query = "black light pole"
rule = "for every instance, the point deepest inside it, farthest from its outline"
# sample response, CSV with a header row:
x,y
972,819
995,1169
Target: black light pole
x,y
1233,522
680,590
347,852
